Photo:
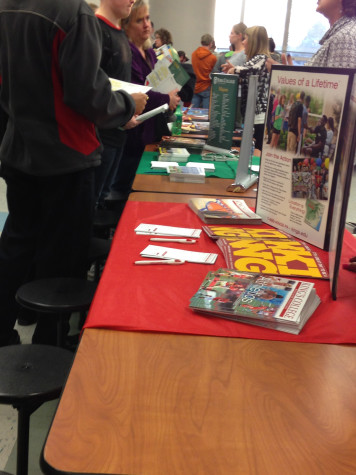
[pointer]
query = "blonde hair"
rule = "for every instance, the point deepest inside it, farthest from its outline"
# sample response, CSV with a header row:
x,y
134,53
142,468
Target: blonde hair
x,y
125,22
257,41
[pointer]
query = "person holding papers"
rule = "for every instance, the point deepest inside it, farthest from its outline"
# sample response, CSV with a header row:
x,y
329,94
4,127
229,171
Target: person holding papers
x,y
54,97
116,62
137,27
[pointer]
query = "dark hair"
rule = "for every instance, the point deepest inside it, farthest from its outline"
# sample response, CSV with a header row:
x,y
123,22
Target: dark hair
x,y
331,123
272,45
165,36
348,7
182,54
307,99
280,99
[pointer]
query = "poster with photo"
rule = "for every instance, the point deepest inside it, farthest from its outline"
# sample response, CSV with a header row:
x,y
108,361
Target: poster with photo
x,y
308,113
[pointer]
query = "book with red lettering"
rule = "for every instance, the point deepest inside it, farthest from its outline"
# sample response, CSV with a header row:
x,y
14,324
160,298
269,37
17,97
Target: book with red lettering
x,y
273,302
287,257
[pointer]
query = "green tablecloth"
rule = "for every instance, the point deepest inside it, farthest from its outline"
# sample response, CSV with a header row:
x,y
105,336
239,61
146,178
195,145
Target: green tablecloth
x,y
222,169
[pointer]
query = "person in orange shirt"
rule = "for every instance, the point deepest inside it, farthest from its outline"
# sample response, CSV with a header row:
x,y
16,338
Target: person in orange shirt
x,y
203,61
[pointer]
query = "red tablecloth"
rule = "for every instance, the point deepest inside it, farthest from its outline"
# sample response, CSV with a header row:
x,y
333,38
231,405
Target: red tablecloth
x,y
156,298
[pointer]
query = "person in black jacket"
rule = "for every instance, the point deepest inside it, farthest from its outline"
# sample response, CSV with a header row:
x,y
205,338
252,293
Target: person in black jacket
x,y
54,93
116,62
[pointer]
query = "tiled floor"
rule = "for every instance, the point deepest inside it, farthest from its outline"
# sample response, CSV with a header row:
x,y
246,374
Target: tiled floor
x,y
41,419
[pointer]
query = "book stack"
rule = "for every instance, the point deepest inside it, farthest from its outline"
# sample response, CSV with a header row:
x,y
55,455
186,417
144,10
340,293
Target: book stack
x,y
287,257
186,174
272,302
173,154
192,145
221,211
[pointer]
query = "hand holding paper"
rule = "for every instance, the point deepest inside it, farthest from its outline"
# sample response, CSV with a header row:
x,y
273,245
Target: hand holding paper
x,y
140,101
152,113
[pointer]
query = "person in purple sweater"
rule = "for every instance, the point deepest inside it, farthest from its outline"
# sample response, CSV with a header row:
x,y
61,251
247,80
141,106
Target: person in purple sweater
x,y
138,30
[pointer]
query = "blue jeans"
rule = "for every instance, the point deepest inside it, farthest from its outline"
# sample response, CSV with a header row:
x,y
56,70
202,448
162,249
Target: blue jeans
x,y
201,99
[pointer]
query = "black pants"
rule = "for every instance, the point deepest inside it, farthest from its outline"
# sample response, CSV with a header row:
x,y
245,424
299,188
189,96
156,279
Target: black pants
x,y
126,171
258,135
48,231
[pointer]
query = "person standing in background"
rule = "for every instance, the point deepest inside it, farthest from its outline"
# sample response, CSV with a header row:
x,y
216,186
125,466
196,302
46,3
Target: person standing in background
x,y
50,147
164,37
256,49
116,62
295,124
237,56
278,121
137,27
203,62
338,45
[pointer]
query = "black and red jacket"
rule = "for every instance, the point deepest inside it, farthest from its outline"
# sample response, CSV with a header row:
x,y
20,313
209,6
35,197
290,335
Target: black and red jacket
x,y
52,87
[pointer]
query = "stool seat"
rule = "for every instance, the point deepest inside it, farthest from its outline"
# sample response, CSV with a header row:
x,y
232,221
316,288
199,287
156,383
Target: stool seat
x,y
57,295
29,376
33,373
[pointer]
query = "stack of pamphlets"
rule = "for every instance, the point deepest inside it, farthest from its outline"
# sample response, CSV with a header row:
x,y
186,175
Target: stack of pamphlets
x,y
221,211
263,255
161,230
160,252
173,154
220,157
186,174
193,113
195,127
192,145
268,301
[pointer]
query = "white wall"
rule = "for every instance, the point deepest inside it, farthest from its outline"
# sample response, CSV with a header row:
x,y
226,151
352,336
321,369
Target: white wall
x,y
187,20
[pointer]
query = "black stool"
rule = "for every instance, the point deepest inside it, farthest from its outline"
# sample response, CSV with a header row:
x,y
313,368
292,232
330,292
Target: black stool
x,y
59,296
29,376
99,251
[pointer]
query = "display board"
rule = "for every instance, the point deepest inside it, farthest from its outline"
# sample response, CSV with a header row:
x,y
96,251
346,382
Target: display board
x,y
222,111
298,175
305,174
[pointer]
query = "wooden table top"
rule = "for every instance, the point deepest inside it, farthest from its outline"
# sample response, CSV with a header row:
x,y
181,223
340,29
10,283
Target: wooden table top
x,y
177,197
211,187
154,404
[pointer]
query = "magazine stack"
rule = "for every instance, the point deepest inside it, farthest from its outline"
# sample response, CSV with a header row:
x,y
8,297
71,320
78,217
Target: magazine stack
x,y
268,301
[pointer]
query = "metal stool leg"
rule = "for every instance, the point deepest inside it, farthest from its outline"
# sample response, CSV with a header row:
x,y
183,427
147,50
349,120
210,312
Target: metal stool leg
x,y
23,436
23,432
